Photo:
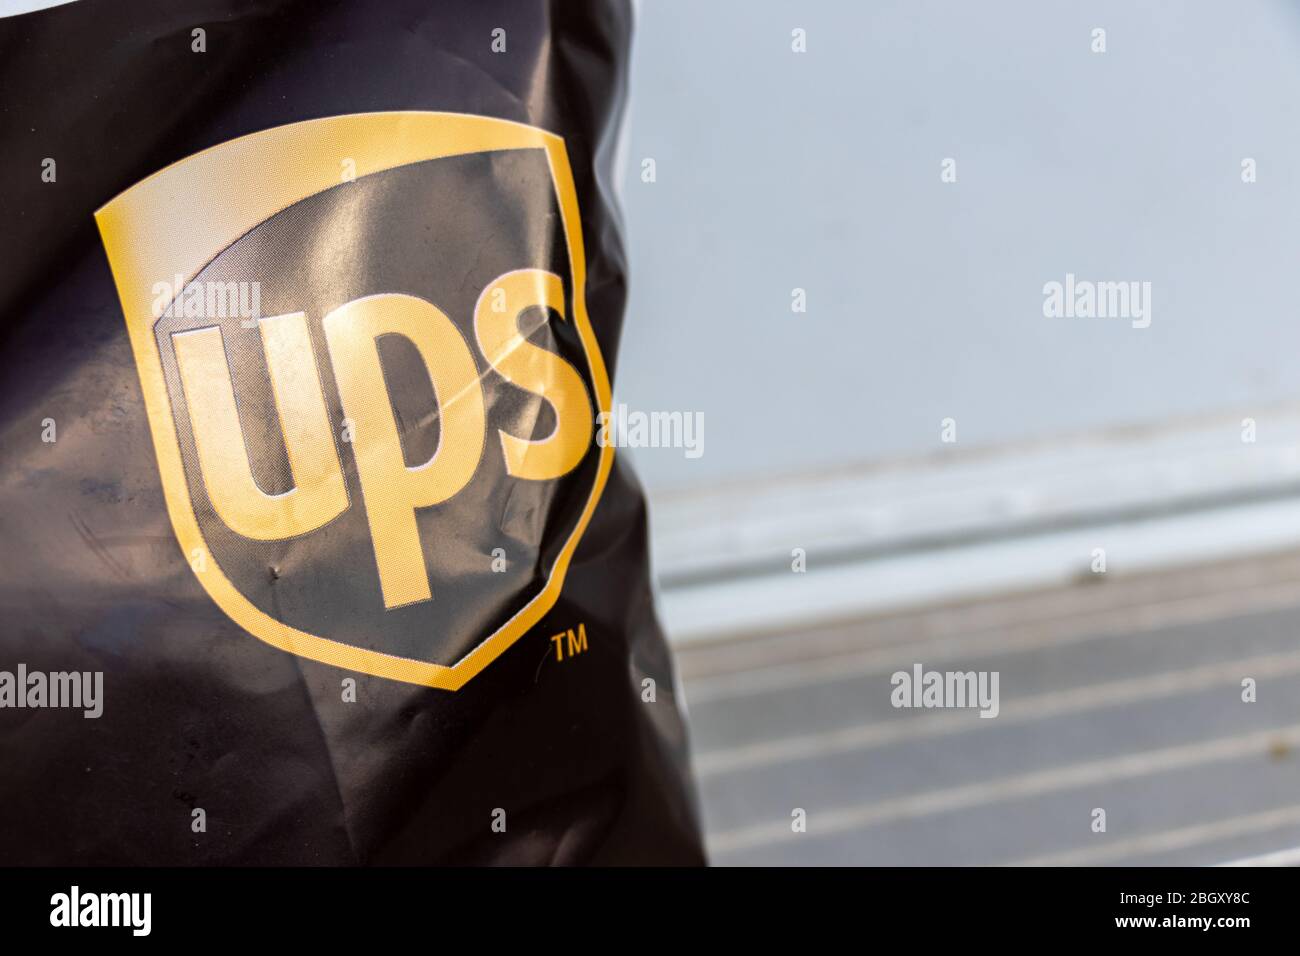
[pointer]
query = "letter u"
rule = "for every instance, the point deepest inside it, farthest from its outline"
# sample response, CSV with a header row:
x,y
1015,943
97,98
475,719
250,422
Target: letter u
x,y
319,494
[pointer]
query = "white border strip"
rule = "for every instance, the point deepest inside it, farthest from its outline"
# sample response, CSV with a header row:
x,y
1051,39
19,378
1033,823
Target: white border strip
x,y
12,8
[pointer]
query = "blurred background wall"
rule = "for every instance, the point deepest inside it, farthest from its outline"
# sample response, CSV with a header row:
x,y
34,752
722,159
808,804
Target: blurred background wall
x,y
821,171
1172,448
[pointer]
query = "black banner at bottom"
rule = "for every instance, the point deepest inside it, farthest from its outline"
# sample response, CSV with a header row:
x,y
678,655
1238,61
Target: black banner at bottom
x,y
365,905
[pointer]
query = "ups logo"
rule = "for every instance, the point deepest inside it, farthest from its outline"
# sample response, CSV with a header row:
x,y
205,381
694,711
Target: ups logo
x,y
388,467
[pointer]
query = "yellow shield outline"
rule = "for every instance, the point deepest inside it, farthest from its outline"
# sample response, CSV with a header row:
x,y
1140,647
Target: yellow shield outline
x,y
179,219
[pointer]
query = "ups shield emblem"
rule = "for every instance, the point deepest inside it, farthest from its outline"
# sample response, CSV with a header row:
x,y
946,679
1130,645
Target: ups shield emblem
x,y
371,381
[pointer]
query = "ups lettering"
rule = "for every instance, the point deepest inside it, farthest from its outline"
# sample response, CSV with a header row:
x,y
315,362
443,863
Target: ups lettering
x,y
393,491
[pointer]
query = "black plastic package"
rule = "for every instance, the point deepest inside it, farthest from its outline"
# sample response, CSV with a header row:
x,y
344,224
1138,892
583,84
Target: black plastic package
x,y
311,551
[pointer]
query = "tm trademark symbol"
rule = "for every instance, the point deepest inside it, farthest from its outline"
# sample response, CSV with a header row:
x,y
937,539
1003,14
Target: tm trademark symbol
x,y
577,642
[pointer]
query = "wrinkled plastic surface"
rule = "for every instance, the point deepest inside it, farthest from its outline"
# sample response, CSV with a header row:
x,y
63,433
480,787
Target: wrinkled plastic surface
x,y
197,713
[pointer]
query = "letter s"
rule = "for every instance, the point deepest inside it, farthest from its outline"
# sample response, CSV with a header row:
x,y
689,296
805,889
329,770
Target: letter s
x,y
537,370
